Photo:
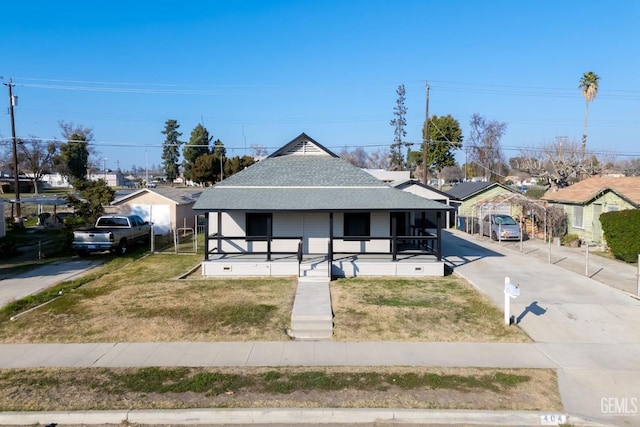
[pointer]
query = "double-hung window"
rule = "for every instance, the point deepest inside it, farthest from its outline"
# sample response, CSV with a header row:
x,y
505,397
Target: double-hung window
x,y
578,214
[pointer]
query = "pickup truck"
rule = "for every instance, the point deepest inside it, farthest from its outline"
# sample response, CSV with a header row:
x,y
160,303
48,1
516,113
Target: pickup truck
x,y
112,233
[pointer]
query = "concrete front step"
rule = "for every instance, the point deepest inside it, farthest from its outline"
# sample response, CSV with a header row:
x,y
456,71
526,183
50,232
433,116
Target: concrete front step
x,y
312,316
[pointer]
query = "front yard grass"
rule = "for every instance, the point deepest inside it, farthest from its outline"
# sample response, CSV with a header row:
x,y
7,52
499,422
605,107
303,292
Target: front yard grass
x,y
142,300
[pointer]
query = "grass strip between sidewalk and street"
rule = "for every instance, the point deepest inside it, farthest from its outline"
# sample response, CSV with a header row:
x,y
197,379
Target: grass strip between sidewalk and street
x,y
67,389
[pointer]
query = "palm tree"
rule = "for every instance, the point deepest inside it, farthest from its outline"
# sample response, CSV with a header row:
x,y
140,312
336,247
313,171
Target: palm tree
x,y
589,86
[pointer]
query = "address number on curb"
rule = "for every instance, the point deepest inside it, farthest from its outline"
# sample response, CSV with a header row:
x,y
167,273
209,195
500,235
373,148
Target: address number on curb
x,y
552,419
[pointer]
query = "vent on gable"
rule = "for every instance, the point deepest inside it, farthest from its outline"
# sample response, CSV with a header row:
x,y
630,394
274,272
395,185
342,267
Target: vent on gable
x,y
304,148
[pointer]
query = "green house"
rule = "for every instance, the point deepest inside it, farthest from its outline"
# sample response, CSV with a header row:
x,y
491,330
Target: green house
x,y
586,200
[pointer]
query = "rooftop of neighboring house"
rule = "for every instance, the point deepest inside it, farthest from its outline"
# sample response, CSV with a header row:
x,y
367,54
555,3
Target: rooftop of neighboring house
x,y
588,189
465,190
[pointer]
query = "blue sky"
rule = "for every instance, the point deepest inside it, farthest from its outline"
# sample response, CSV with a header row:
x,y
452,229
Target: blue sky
x,y
262,72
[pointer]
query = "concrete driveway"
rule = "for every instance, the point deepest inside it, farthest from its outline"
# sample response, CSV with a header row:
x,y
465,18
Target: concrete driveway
x,y
42,277
591,330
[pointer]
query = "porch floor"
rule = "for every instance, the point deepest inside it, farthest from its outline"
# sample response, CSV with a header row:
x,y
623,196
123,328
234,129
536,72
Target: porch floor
x,y
344,265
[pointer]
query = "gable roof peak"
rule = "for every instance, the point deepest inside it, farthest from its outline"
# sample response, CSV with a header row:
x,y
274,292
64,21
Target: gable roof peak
x,y
303,145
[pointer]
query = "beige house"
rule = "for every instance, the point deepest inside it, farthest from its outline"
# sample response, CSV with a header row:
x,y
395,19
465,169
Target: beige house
x,y
168,209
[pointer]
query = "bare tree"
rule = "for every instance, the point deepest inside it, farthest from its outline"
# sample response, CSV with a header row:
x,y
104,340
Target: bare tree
x,y
36,158
559,163
258,151
358,157
378,159
484,145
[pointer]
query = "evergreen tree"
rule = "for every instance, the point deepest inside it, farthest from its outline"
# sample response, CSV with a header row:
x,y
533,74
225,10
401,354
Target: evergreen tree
x,y
396,157
171,150
197,146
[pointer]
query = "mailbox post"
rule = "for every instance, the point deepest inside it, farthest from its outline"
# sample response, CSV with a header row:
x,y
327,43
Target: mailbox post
x,y
510,291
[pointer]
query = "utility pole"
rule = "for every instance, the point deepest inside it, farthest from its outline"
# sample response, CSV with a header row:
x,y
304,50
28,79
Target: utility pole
x,y
14,144
425,142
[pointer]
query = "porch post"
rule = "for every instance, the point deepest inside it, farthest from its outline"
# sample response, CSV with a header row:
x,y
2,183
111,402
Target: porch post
x,y
206,235
219,232
269,237
330,254
394,237
439,235
423,229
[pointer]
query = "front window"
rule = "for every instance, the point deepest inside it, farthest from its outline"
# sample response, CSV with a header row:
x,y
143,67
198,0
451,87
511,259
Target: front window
x,y
578,212
357,224
258,224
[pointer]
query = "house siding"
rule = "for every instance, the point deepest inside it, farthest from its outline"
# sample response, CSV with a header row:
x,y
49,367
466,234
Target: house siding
x,y
179,215
608,201
467,208
313,227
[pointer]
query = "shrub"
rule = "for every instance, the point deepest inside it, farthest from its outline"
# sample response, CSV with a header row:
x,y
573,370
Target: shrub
x,y
572,240
622,231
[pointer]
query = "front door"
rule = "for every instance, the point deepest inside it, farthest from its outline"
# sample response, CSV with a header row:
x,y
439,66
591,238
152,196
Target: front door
x,y
315,232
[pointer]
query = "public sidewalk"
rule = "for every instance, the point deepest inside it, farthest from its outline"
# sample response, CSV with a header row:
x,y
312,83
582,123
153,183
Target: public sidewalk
x,y
586,330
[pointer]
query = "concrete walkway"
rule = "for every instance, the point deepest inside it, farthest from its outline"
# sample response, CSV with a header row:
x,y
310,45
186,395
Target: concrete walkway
x,y
586,330
37,279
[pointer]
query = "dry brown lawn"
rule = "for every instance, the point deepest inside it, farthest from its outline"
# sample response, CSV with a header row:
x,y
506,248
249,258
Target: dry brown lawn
x,y
145,301
430,309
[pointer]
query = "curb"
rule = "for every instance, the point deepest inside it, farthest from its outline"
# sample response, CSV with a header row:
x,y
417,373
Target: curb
x,y
290,416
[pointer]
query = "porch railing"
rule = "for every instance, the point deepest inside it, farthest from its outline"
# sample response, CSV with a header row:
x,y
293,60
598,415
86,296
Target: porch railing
x,y
423,244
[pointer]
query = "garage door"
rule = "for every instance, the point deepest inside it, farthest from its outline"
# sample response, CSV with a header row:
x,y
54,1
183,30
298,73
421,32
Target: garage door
x,y
159,215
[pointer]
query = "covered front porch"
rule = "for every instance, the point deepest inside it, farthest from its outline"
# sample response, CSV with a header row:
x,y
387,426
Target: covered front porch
x,y
307,244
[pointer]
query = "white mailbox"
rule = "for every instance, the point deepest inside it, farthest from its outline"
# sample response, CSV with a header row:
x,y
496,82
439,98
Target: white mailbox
x,y
510,291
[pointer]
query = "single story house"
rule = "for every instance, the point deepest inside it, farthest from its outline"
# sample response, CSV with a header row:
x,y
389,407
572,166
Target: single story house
x,y
584,201
466,197
169,209
303,207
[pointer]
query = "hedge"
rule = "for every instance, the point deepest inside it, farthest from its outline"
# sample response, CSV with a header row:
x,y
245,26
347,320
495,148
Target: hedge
x,y
622,231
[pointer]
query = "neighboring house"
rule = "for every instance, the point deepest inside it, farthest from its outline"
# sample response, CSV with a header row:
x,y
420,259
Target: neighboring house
x,y
304,204
113,179
168,209
425,191
390,177
466,197
584,201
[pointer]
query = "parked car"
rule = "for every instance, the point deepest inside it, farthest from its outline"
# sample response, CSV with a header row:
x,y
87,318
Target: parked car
x,y
501,227
112,233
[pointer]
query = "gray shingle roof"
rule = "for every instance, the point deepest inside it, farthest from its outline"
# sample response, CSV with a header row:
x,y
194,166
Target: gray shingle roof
x,y
296,170
465,190
298,182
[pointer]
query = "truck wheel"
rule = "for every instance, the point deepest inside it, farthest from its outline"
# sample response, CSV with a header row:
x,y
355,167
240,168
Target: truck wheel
x,y
122,248
83,254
